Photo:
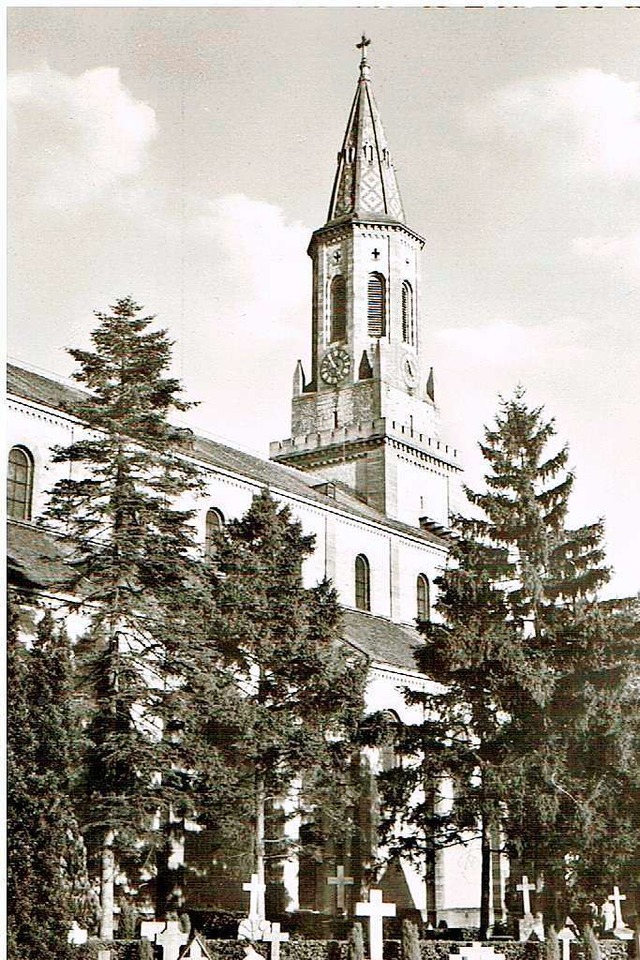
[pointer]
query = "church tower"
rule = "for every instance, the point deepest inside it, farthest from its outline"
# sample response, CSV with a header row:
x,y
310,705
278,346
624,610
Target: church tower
x,y
366,416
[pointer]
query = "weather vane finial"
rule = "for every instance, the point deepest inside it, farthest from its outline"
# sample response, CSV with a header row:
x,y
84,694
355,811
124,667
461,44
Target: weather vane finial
x,y
364,43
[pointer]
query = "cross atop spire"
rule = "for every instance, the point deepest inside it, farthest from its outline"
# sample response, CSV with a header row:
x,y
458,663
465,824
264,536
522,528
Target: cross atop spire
x,y
365,184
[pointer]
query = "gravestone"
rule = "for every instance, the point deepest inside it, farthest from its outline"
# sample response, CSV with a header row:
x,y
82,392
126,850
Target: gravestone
x,y
566,936
608,914
172,939
375,910
253,928
255,888
621,930
196,949
275,938
478,951
166,934
340,882
531,928
104,954
77,934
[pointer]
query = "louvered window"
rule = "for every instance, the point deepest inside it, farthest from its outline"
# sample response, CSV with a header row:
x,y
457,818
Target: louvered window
x,y
338,308
423,598
213,524
19,484
363,583
376,305
408,328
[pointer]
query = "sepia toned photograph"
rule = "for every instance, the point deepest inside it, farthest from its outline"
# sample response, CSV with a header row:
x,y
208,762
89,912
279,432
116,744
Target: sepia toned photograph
x,y
323,459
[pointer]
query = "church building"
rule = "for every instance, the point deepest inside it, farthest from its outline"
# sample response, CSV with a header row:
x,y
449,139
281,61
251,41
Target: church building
x,y
367,470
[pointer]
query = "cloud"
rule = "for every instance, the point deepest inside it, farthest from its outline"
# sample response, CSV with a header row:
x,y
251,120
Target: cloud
x,y
74,138
587,122
264,258
622,251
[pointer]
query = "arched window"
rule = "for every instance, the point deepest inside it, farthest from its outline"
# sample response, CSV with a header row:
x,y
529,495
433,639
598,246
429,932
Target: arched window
x,y
389,759
376,313
19,484
408,326
363,583
213,523
423,598
338,308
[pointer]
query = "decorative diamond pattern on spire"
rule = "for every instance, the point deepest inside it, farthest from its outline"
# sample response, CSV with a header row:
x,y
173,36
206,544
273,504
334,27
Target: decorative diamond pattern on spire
x,y
365,185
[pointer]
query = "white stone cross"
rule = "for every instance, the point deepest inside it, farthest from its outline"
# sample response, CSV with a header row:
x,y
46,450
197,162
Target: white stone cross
x,y
566,936
256,900
525,886
617,899
340,881
151,928
171,939
275,937
478,951
375,910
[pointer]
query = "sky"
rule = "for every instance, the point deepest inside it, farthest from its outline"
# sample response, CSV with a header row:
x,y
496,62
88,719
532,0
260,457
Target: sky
x,y
184,155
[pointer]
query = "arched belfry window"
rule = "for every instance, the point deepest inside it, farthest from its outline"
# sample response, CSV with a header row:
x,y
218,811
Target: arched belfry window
x,y
338,298
423,597
213,524
376,312
389,759
363,583
19,484
408,322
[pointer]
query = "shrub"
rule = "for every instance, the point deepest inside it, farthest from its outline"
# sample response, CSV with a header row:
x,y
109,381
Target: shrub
x,y
355,943
410,942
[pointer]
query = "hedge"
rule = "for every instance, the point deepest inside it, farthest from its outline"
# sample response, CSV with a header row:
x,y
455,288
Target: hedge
x,y
298,949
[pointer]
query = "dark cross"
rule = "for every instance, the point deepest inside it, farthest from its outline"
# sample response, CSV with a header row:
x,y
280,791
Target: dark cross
x,y
336,256
375,254
362,45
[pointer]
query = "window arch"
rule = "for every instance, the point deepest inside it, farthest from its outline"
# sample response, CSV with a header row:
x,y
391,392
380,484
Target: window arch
x,y
338,298
363,583
389,759
213,524
376,310
408,323
19,484
423,597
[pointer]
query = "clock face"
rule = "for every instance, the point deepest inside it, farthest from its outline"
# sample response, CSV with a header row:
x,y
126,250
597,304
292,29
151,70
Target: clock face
x,y
410,370
335,365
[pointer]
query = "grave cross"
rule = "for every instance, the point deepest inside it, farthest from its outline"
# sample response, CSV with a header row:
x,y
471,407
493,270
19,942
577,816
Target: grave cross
x,y
566,936
275,937
479,951
617,899
525,886
256,899
340,881
375,910
171,939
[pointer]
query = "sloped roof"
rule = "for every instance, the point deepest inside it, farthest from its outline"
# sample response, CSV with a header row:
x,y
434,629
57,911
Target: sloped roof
x,y
35,558
381,640
266,473
41,389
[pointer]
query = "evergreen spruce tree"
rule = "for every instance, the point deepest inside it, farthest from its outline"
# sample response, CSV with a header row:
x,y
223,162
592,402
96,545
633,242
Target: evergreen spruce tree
x,y
137,581
47,883
525,655
298,688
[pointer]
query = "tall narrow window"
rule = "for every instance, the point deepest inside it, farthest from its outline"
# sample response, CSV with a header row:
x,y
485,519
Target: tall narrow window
x,y
338,308
19,484
213,523
408,326
376,305
423,598
363,583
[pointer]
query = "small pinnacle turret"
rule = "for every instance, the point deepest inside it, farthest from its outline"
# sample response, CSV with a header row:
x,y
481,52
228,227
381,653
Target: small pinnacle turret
x,y
365,185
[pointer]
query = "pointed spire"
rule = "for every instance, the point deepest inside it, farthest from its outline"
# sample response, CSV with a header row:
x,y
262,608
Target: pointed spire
x,y
365,185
